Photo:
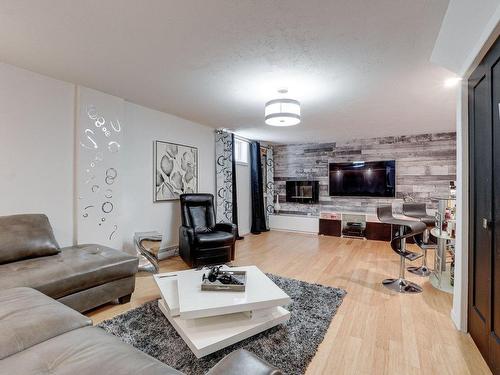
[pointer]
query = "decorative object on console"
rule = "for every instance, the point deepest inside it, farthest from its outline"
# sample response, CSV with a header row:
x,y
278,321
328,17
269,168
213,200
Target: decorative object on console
x,y
453,189
290,347
201,240
277,206
176,170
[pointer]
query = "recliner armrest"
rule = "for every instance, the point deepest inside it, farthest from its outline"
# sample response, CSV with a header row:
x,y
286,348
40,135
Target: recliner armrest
x,y
187,232
226,227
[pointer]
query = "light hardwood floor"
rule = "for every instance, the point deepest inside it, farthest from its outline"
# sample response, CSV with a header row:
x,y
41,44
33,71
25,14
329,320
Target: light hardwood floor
x,y
375,331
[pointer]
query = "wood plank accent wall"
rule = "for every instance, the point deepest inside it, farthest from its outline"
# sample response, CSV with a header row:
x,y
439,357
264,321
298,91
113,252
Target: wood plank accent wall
x,y
425,164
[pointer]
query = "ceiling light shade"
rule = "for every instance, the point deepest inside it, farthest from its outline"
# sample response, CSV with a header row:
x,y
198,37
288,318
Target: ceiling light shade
x,y
282,112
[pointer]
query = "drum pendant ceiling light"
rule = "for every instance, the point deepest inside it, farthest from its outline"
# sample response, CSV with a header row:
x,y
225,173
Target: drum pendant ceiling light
x,y
282,112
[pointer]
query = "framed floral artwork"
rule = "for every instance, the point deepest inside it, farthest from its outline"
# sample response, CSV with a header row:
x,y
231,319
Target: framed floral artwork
x,y
175,170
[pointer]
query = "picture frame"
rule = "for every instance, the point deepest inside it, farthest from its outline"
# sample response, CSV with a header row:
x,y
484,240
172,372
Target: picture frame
x,y
175,170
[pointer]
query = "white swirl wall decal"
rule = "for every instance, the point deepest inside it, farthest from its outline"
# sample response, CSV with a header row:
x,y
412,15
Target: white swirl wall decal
x,y
107,207
85,213
115,228
102,151
113,146
117,128
100,122
91,140
92,112
108,194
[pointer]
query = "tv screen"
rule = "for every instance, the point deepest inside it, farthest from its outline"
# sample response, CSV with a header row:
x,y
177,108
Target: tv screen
x,y
365,179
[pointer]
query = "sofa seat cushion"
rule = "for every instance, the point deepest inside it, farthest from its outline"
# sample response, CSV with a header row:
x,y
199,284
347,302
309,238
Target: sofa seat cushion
x,y
26,236
28,317
216,238
72,270
86,351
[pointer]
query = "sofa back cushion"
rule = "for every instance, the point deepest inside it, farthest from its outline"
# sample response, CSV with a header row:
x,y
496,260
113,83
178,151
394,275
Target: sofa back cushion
x,y
26,236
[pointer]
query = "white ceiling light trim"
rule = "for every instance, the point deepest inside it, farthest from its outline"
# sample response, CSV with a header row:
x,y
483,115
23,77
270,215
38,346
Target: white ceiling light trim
x,y
282,112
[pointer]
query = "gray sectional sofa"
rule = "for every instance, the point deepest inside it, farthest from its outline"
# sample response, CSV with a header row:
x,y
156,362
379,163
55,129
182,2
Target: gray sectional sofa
x,y
82,277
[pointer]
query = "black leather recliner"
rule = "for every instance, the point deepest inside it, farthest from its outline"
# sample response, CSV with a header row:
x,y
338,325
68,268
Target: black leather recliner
x,y
201,240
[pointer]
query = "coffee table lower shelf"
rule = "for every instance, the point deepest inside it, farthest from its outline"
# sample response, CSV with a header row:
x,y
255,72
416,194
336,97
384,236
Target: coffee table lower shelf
x,y
208,335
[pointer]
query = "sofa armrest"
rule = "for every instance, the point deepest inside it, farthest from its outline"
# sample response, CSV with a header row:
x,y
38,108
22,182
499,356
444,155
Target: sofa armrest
x,y
242,362
226,227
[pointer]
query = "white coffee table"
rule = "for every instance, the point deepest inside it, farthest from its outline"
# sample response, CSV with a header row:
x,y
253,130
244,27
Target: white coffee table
x,y
211,320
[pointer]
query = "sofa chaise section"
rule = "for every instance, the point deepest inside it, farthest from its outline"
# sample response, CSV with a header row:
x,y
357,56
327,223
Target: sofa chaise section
x,y
82,277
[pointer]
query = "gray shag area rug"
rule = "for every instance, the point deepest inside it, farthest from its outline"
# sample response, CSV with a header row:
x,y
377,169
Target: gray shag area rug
x,y
290,346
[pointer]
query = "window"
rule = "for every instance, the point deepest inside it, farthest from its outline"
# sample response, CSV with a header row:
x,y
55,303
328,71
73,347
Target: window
x,y
240,151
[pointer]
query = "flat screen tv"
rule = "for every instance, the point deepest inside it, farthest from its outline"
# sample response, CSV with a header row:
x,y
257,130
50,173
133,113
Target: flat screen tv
x,y
363,179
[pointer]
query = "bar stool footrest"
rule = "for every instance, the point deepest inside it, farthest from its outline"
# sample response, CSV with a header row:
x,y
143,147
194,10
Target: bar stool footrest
x,y
402,286
410,255
420,271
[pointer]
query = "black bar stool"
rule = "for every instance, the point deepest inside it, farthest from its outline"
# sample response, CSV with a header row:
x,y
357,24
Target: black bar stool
x,y
407,228
419,211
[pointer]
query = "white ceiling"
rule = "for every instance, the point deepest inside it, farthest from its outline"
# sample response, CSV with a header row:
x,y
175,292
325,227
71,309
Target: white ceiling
x,y
464,31
360,68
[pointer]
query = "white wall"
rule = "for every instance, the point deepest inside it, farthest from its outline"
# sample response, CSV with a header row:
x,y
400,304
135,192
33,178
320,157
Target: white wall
x,y
37,156
143,126
468,30
36,148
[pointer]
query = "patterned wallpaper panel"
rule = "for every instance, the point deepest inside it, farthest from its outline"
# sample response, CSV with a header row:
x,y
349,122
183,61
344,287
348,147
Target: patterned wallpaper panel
x,y
425,164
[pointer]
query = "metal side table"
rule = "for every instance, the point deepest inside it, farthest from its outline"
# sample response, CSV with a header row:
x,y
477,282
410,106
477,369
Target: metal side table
x,y
148,245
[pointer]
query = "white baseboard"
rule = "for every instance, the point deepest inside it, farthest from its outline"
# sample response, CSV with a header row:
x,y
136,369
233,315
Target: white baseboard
x,y
457,322
167,252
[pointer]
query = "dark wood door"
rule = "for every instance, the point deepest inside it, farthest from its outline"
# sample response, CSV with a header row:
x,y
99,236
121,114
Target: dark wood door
x,y
495,226
484,267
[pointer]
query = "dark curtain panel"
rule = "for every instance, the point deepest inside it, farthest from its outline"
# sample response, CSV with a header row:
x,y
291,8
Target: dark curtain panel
x,y
234,191
258,213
